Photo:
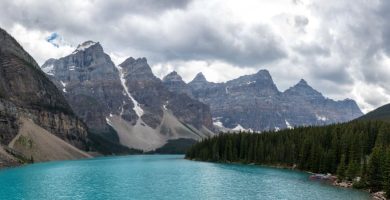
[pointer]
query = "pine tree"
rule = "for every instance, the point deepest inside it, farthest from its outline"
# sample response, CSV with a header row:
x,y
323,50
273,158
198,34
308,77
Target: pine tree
x,y
375,173
341,168
386,181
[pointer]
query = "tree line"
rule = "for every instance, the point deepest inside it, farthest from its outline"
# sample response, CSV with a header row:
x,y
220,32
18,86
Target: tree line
x,y
349,150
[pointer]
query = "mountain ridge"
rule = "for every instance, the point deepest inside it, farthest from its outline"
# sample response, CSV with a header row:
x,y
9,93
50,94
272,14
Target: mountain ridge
x,y
136,104
253,102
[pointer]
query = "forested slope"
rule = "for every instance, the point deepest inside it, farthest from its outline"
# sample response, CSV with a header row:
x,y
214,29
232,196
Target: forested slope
x,y
382,113
349,150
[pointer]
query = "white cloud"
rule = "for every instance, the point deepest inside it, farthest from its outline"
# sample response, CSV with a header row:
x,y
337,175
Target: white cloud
x,y
214,71
340,48
35,42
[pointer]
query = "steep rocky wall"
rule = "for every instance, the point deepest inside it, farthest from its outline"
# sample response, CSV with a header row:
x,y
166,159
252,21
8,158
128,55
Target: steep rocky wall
x,y
26,91
64,126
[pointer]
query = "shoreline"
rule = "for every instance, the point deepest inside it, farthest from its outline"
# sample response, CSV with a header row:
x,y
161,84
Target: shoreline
x,y
342,184
336,183
9,165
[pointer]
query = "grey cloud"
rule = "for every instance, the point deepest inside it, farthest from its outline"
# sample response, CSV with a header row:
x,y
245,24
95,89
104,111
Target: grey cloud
x,y
301,21
135,25
337,75
252,47
194,36
312,49
73,19
119,7
384,15
170,30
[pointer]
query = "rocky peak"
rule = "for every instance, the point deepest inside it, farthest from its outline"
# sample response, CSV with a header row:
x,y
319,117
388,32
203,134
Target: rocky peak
x,y
303,89
263,74
200,82
302,82
259,84
89,75
262,77
175,83
173,77
137,68
199,78
88,45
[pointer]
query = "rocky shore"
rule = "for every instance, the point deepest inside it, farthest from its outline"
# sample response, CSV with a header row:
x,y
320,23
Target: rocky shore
x,y
333,180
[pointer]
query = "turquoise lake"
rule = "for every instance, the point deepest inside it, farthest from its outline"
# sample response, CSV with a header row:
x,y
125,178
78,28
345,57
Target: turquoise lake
x,y
161,177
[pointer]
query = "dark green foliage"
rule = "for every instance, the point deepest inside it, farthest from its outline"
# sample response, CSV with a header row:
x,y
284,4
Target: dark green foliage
x,y
349,150
381,113
179,146
108,143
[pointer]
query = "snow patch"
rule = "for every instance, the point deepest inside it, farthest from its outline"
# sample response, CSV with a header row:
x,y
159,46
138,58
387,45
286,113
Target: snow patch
x,y
288,124
72,67
321,118
165,105
84,46
240,128
226,90
277,129
250,82
49,69
64,86
137,108
218,123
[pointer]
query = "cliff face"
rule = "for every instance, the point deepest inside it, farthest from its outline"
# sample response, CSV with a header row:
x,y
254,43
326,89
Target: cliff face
x,y
154,97
90,82
253,102
25,92
174,83
126,104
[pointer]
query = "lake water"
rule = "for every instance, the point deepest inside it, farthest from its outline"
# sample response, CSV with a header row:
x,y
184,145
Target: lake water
x,y
161,177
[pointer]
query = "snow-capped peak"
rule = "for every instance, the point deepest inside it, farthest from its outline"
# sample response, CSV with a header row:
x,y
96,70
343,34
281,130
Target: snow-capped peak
x,y
84,46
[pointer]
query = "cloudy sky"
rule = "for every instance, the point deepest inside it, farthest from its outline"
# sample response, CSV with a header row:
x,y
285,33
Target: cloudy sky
x,y
341,47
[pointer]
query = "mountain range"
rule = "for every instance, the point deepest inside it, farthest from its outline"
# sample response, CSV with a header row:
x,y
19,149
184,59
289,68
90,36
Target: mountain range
x,y
129,106
126,103
254,103
85,102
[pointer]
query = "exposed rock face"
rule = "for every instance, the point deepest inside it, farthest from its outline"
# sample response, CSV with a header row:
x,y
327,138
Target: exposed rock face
x,y
151,93
253,102
146,89
135,103
302,98
25,92
175,83
90,82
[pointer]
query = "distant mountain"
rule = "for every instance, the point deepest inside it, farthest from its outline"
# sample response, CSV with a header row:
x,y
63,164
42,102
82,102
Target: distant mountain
x,y
175,83
382,113
126,104
36,122
254,103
